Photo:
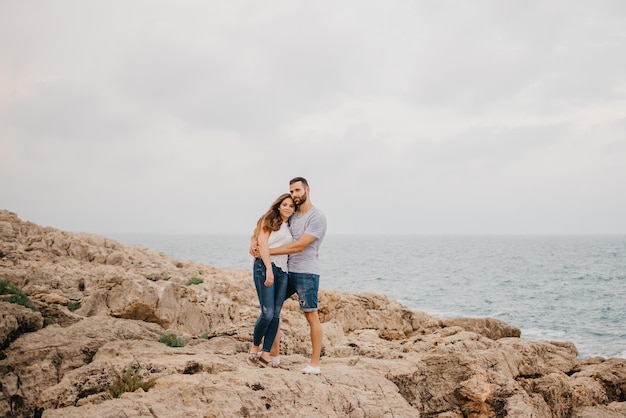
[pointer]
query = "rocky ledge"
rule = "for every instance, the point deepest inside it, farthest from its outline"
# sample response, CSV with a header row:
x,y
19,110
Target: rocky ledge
x,y
92,346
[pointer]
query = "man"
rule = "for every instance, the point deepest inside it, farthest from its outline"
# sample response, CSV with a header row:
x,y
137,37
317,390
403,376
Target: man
x,y
308,227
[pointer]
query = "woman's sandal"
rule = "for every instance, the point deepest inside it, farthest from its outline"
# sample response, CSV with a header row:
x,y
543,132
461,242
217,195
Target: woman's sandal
x,y
253,359
265,363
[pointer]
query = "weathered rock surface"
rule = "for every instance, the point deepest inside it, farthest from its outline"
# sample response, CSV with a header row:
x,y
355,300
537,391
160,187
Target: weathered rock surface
x,y
379,358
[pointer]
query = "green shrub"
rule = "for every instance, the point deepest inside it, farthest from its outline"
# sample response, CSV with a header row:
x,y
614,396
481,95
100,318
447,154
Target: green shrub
x,y
72,306
194,280
204,336
170,339
15,295
128,381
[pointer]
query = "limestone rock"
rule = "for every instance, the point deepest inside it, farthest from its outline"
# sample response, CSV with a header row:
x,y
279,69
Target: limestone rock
x,y
489,327
16,320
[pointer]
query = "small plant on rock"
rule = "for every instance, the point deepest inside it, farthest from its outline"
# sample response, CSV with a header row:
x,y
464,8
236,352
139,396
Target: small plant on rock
x,y
15,295
72,305
171,340
195,280
128,381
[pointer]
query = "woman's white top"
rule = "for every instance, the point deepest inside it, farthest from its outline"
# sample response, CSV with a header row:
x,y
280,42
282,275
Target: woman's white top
x,y
277,239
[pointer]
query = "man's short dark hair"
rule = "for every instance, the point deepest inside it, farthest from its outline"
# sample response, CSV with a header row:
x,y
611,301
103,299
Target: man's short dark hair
x,y
297,179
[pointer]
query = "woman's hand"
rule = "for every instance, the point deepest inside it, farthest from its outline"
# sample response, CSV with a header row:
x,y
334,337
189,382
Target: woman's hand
x,y
254,249
269,277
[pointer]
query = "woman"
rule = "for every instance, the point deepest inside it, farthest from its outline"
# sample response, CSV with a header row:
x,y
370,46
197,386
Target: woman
x,y
270,277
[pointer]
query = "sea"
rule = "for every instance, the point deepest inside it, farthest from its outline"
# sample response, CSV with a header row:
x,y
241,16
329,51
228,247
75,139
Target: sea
x,y
557,288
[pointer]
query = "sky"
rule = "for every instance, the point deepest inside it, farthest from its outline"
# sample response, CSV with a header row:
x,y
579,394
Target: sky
x,y
406,117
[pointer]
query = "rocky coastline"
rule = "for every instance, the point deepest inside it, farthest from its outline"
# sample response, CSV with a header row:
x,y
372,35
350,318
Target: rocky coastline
x,y
92,344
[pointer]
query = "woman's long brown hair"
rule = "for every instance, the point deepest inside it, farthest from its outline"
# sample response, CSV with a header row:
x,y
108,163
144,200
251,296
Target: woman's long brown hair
x,y
271,220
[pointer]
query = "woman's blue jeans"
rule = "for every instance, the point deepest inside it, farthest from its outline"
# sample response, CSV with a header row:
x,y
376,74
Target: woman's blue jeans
x,y
271,300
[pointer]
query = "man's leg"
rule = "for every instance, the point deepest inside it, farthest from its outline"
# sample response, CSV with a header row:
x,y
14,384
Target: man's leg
x,y
308,285
316,336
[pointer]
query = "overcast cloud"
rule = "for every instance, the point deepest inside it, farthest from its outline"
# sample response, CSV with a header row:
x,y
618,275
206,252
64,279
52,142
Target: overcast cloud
x,y
405,116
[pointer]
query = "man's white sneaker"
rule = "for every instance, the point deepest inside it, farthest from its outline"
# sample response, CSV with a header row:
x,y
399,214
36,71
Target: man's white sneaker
x,y
311,370
276,359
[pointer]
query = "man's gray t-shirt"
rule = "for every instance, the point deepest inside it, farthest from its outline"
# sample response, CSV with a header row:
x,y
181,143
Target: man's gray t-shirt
x,y
311,223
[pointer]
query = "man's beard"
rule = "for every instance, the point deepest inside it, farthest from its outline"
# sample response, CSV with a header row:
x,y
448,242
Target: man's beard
x,y
301,200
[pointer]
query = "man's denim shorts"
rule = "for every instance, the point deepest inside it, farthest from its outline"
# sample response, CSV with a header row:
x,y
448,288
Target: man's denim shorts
x,y
306,286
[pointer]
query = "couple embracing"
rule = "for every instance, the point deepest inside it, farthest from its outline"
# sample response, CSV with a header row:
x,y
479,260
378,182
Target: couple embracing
x,y
285,245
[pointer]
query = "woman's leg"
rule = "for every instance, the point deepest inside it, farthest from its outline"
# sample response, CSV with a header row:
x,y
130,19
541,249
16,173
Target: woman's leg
x,y
279,289
290,289
266,301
